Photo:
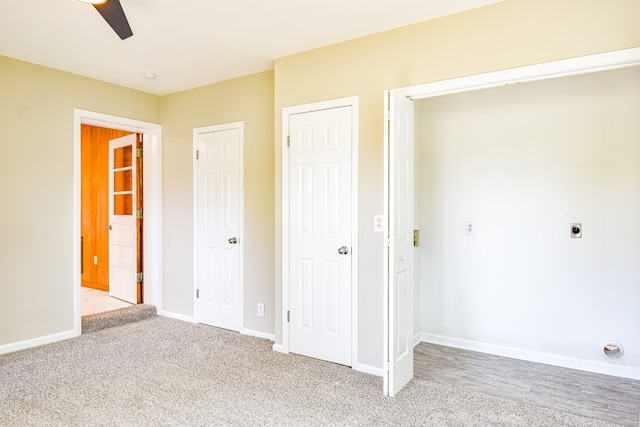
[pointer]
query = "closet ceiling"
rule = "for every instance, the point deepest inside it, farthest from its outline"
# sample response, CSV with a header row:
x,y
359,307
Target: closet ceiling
x,y
190,43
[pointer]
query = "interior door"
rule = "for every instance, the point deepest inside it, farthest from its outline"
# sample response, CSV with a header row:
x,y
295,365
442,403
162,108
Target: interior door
x,y
219,195
94,207
123,233
400,280
320,234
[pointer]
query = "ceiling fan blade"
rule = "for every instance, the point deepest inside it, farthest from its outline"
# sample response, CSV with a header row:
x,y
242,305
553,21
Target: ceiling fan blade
x,y
113,13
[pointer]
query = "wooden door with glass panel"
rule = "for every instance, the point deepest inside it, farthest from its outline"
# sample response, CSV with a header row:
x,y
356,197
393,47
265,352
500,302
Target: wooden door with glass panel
x,y
125,219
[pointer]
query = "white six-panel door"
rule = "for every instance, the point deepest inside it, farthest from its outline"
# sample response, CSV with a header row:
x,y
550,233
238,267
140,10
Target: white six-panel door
x,y
217,235
320,234
122,219
399,283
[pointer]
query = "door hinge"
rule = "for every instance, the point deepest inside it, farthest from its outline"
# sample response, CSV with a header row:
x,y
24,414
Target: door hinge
x,y
288,316
139,153
197,293
139,277
197,154
389,115
138,213
288,140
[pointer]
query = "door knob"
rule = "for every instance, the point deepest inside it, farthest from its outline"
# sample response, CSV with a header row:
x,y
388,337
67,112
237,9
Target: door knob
x,y
233,240
343,250
108,227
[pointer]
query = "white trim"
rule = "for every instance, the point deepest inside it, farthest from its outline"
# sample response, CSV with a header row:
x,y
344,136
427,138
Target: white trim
x,y
534,356
417,338
258,334
279,348
35,342
386,323
208,129
177,316
547,70
368,369
353,102
152,172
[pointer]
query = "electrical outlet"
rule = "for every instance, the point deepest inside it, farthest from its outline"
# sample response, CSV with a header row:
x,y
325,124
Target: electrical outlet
x,y
95,260
470,228
260,309
378,223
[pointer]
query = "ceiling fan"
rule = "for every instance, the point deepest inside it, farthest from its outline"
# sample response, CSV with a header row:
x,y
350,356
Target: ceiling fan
x,y
112,12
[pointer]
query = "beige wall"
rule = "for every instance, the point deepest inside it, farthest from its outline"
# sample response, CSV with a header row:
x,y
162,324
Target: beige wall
x,y
248,99
500,36
36,135
36,184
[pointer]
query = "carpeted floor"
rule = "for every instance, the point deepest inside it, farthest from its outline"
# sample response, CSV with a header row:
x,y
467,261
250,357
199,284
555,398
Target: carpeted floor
x,y
121,316
164,372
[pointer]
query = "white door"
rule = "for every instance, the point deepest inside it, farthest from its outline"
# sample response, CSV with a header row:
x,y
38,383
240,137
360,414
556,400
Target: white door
x,y
122,219
399,283
320,234
218,243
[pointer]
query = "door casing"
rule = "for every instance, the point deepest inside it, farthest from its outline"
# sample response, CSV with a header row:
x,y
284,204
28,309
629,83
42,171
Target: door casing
x,y
353,102
152,239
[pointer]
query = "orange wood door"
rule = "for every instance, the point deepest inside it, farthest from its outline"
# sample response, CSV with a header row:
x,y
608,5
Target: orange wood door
x,y
94,204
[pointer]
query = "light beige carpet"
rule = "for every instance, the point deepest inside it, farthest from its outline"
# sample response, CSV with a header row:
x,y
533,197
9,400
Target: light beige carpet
x,y
121,316
164,372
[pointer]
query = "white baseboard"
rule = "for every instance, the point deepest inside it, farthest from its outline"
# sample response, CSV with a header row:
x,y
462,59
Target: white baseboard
x,y
177,316
368,369
258,334
533,356
35,342
279,348
417,339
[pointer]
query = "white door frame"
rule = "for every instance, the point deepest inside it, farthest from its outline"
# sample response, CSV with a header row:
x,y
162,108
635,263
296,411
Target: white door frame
x,y
196,265
152,190
548,70
353,102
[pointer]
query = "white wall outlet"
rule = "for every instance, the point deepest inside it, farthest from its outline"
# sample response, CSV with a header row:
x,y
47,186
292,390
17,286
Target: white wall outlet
x,y
260,309
378,223
95,260
470,228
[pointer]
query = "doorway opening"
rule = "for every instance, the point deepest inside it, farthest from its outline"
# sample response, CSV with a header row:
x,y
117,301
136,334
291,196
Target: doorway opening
x,y
466,230
151,237
97,263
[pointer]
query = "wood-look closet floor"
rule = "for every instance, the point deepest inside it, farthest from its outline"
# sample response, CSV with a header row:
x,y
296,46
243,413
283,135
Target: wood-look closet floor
x,y
603,397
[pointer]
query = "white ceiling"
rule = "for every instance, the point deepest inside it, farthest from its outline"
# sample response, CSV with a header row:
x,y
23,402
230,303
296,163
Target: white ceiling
x,y
191,43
